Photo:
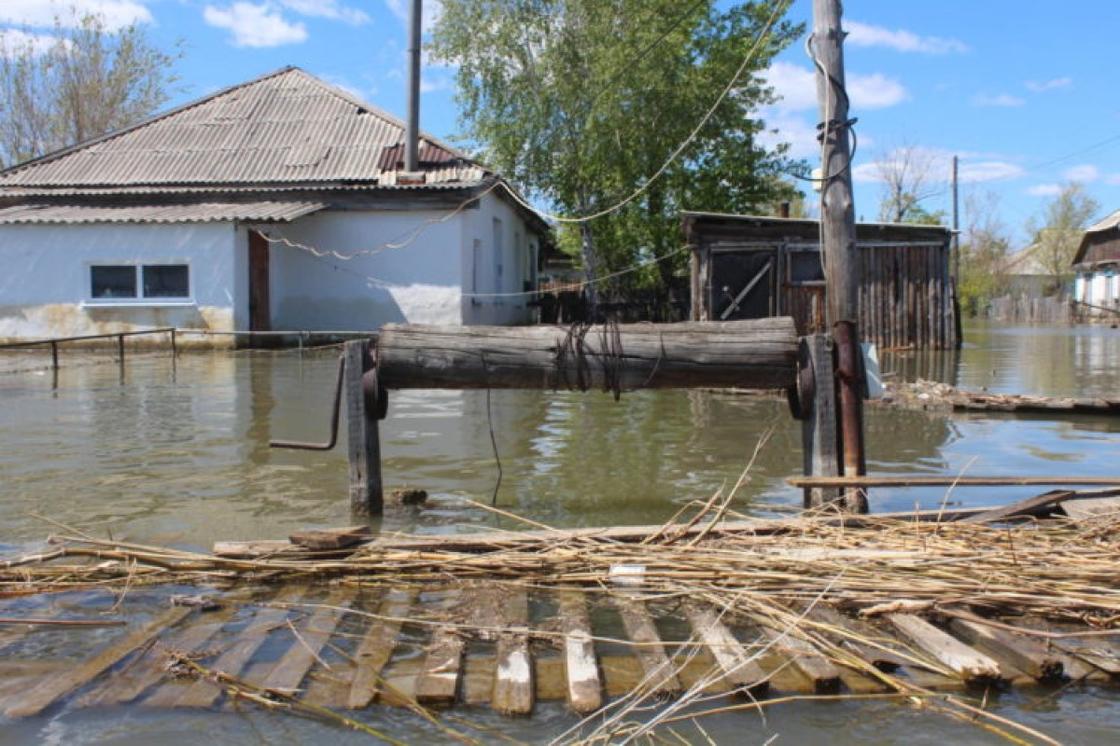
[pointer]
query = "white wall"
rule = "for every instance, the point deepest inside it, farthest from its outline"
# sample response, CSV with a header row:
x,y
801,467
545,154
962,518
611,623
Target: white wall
x,y
45,283
427,281
516,259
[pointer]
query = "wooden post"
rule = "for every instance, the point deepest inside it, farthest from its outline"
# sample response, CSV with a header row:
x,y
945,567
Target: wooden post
x,y
838,235
818,427
174,346
364,447
54,356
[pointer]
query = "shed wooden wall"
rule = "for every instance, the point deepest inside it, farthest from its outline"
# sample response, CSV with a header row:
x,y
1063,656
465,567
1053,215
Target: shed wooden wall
x,y
905,298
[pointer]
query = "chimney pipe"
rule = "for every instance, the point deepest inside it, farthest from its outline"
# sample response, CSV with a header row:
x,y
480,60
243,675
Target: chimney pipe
x,y
412,136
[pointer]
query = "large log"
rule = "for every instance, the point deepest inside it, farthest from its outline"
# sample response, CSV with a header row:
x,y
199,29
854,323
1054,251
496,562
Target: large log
x,y
753,354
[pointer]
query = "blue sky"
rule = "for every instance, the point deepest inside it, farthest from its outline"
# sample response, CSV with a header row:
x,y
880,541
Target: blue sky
x,y
1020,90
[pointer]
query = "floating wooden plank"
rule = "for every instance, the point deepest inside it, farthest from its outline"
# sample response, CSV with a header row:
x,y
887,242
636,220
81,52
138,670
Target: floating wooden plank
x,y
738,666
313,635
581,670
513,679
649,649
51,690
376,648
1082,510
823,674
1025,653
967,663
203,692
438,682
151,667
331,538
882,654
943,481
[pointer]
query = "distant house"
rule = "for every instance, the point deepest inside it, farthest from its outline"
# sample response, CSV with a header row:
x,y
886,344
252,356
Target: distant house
x,y
1026,275
1097,263
277,204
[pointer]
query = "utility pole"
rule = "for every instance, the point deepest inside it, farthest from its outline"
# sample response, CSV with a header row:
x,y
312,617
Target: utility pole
x,y
956,240
838,242
412,136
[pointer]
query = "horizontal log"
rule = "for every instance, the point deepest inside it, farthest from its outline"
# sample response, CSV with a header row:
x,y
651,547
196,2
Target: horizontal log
x,y
752,354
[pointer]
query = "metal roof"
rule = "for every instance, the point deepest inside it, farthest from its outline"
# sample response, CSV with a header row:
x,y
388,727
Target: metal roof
x,y
287,127
1110,221
198,212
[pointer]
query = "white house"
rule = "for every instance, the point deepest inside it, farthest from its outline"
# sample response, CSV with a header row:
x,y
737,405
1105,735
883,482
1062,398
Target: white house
x,y
277,204
1097,263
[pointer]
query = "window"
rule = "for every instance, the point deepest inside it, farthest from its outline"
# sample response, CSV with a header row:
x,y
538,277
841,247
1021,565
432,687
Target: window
x,y
804,267
129,281
112,282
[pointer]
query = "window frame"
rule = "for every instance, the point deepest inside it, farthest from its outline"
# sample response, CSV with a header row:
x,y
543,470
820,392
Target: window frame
x,y
139,299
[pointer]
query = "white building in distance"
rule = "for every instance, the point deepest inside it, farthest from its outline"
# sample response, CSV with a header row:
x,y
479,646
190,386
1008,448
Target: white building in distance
x,y
277,204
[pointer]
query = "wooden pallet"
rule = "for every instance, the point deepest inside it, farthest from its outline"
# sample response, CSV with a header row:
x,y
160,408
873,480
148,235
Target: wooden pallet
x,y
346,647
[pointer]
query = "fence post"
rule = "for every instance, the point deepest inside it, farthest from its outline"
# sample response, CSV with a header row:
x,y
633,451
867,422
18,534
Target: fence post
x,y
817,398
54,356
364,447
174,346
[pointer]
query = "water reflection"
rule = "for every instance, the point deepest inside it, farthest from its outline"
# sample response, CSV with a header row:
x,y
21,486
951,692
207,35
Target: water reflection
x,y
179,453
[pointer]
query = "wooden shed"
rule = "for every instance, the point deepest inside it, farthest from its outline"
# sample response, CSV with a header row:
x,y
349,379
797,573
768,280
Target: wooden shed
x,y
748,266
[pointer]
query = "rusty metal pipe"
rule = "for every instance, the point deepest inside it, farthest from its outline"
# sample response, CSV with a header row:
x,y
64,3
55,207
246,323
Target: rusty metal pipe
x,y
302,445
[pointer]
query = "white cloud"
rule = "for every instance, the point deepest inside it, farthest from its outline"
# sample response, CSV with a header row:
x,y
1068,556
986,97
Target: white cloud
x,y
255,25
1041,86
798,88
430,14
940,160
875,91
42,13
1112,180
1000,99
13,41
1045,190
431,84
331,10
1084,173
866,35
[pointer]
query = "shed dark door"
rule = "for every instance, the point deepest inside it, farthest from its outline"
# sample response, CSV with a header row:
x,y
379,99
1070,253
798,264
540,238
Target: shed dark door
x,y
742,285
260,319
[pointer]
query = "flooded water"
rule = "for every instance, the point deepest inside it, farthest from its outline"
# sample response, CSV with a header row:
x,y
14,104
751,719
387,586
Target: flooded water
x,y
177,453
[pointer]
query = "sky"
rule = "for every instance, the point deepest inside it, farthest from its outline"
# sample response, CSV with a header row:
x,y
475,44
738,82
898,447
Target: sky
x,y
1018,89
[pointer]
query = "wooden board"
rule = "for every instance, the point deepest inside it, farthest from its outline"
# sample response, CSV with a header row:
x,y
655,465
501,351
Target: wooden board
x,y
739,668
313,635
54,688
376,648
438,682
581,670
513,678
1028,654
147,671
203,692
966,662
823,674
874,646
649,649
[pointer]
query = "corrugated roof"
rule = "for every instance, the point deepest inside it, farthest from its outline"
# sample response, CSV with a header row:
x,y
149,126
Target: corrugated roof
x,y
288,127
1110,221
199,212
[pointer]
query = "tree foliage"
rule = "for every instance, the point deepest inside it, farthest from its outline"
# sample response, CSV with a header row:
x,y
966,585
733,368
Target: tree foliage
x,y
984,246
908,175
1057,231
87,82
580,102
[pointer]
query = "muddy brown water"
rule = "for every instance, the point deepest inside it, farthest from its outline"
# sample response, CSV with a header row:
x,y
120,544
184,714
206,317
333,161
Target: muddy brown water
x,y
178,454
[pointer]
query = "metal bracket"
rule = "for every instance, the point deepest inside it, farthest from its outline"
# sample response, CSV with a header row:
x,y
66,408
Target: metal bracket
x,y
303,445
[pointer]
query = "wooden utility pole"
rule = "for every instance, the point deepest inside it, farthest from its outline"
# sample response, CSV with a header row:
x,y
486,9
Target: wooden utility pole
x,y
838,242
956,239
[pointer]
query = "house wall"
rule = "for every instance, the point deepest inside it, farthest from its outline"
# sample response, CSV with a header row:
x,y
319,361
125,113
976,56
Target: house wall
x,y
427,281
45,284
1098,287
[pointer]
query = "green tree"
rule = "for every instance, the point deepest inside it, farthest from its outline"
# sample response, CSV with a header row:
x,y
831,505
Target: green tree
x,y
88,81
580,102
984,248
1057,232
907,174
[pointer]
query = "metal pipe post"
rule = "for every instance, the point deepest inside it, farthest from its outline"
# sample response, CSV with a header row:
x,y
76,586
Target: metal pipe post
x,y
412,138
